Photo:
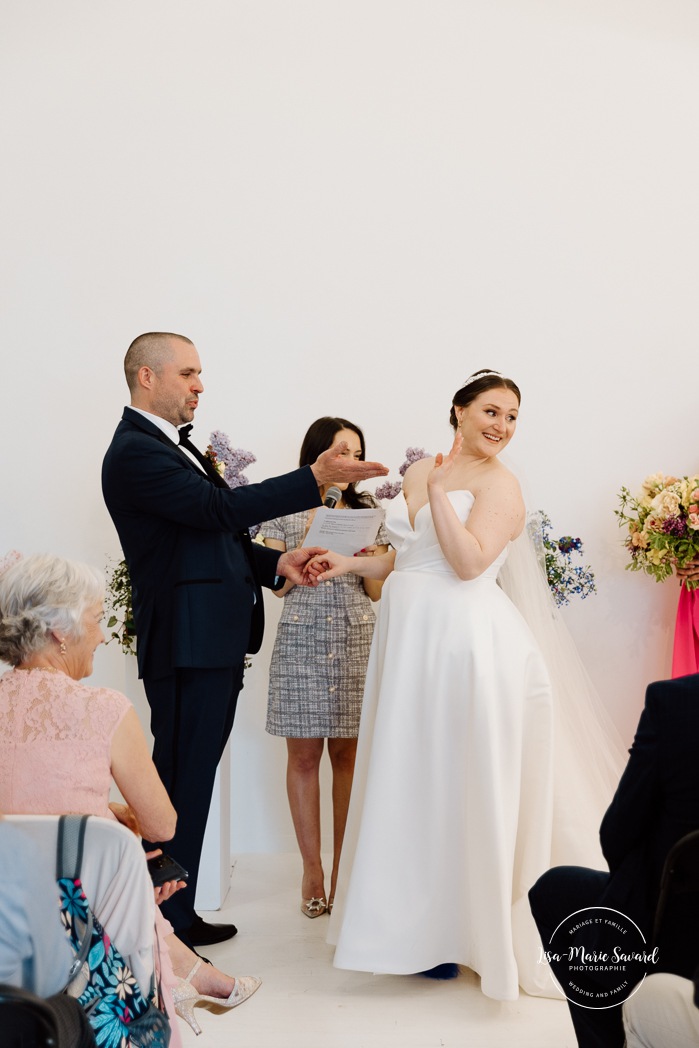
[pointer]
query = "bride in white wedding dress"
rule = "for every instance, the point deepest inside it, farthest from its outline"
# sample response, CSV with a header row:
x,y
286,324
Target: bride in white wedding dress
x,y
456,803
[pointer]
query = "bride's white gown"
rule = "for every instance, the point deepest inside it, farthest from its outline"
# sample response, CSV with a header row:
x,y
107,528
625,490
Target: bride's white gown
x,y
452,811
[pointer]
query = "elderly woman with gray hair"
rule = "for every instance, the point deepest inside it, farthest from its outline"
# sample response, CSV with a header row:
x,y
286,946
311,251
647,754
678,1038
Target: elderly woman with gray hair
x,y
62,742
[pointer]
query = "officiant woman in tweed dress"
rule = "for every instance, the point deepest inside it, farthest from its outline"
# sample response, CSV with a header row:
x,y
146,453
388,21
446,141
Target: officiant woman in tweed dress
x,y
318,669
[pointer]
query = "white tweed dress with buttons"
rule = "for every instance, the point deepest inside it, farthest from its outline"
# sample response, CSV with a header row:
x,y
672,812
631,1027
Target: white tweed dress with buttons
x,y
320,655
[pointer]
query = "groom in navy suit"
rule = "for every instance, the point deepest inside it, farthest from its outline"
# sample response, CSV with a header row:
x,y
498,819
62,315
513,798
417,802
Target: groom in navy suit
x,y
196,581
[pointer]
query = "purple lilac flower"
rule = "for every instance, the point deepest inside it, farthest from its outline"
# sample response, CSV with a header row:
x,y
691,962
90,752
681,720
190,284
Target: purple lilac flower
x,y
388,490
235,460
221,444
412,455
235,464
675,526
567,544
234,479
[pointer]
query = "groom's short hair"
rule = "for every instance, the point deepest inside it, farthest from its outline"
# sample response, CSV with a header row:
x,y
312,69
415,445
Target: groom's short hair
x,y
153,349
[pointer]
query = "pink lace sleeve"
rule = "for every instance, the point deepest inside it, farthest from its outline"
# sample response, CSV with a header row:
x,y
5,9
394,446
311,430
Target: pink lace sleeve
x,y
55,743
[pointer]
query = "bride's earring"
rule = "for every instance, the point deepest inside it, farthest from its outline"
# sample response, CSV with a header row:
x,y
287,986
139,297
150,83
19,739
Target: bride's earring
x,y
62,648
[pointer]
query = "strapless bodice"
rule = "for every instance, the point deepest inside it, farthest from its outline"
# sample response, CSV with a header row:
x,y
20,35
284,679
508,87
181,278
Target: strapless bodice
x,y
418,547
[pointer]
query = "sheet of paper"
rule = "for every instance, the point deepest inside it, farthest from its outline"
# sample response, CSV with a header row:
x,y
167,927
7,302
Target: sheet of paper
x,y
344,530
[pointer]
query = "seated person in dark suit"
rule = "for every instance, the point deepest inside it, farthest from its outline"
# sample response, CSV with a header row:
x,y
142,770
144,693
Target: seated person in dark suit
x,y
656,803
34,949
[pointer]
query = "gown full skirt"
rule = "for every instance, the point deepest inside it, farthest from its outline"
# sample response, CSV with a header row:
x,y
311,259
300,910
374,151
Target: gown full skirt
x,y
452,811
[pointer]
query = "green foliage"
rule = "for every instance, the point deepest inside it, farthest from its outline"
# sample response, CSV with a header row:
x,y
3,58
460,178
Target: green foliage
x,y
120,621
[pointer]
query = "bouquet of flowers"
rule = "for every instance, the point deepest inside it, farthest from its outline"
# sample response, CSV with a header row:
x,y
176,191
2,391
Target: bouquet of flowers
x,y
662,524
565,579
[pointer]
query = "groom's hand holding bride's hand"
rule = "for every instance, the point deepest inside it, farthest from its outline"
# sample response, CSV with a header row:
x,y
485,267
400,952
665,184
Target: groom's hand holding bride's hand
x,y
336,466
327,565
293,565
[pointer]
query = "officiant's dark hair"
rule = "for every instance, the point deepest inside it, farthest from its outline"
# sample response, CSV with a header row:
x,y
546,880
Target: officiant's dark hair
x,y
319,438
477,383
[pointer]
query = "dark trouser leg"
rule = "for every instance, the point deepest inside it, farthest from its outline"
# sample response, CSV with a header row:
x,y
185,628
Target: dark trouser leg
x,y
556,895
192,715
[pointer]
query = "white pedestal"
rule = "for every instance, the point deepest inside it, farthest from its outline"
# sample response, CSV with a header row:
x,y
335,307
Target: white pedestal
x,y
215,867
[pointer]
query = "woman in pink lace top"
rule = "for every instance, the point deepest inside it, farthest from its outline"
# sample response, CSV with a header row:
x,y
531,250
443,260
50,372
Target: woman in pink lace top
x,y
62,743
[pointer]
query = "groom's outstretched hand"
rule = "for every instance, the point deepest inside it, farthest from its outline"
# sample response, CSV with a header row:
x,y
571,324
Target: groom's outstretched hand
x,y
337,466
292,564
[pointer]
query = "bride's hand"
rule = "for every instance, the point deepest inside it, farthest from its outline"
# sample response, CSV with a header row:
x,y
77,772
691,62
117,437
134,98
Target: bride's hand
x,y
328,566
439,474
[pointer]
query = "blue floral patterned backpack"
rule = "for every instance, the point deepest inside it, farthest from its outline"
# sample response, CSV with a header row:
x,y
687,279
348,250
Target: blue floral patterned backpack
x,y
119,1013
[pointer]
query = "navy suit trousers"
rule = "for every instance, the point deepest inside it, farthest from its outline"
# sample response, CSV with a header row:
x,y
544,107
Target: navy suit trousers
x,y
192,713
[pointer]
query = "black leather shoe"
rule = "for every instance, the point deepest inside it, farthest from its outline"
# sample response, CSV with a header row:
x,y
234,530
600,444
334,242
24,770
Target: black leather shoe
x,y
200,933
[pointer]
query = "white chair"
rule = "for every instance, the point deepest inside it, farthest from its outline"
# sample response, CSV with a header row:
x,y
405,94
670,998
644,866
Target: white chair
x,y
117,884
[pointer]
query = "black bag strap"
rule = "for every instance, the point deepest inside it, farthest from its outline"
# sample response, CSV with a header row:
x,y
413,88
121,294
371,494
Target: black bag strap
x,y
70,846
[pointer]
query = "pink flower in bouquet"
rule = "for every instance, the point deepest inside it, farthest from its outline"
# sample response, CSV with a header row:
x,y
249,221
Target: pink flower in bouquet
x,y
653,484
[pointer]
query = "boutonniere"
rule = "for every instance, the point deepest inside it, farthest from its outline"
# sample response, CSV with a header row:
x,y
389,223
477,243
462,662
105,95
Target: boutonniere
x,y
215,461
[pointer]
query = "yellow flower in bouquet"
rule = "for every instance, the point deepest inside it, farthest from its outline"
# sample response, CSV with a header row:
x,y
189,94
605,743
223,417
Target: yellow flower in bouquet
x,y
662,524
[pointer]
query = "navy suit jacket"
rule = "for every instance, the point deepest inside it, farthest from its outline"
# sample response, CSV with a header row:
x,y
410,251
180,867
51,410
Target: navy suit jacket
x,y
657,800
195,574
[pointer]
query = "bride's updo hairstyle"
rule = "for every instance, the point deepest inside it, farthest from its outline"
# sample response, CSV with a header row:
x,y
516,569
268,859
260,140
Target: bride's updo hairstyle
x,y
41,595
478,383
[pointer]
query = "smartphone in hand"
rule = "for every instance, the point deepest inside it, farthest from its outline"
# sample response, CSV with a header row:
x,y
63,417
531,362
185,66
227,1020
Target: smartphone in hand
x,y
164,868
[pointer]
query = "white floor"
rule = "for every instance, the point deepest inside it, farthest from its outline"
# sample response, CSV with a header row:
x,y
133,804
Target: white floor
x,y
306,1003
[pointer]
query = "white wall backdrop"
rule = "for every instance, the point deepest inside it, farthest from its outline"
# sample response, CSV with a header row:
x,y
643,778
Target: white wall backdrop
x,y
349,207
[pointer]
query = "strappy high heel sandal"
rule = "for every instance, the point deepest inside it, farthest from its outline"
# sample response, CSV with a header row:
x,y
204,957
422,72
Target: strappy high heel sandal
x,y
185,996
314,907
